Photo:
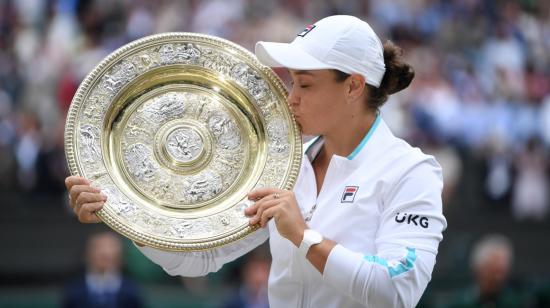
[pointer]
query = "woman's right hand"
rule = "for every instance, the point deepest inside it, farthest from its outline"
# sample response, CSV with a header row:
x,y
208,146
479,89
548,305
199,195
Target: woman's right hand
x,y
84,199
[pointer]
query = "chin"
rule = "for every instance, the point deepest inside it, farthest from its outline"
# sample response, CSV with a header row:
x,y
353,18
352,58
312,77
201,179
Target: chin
x,y
308,132
306,129
303,129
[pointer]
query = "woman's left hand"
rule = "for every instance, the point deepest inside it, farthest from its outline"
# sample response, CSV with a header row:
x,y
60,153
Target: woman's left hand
x,y
280,205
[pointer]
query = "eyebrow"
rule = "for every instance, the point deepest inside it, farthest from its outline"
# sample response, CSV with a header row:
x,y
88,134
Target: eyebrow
x,y
303,72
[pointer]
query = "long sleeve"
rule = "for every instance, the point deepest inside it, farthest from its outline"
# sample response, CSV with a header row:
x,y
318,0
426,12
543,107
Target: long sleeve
x,y
194,264
409,233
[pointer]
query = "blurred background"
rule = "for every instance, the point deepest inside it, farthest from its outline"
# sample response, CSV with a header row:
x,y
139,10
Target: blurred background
x,y
480,103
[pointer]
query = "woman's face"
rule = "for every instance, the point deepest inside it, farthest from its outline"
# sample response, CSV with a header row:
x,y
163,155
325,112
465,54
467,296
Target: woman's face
x,y
317,100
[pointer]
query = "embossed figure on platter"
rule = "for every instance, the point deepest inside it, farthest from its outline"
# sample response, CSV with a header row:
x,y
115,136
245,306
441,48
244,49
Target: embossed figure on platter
x,y
225,130
184,144
90,137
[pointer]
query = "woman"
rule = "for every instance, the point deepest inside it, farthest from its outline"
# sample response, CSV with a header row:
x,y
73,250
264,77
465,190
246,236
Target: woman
x,y
364,221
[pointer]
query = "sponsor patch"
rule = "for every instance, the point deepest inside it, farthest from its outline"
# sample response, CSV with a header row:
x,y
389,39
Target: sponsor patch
x,y
412,219
306,30
349,194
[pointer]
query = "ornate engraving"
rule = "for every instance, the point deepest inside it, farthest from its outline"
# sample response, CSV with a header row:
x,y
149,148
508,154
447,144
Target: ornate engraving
x,y
94,111
215,61
120,74
228,164
162,108
135,131
181,229
184,144
163,189
246,77
151,222
201,187
268,106
89,136
120,204
278,135
239,73
189,228
271,173
224,220
200,105
257,86
145,61
178,53
225,130
140,165
94,176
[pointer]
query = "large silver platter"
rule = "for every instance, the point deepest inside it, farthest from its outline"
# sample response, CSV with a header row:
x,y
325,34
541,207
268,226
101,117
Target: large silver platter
x,y
176,129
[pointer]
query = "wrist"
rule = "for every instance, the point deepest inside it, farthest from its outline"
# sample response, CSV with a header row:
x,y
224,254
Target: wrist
x,y
298,237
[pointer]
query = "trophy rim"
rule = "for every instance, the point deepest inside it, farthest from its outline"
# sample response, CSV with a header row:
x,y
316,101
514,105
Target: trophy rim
x,y
108,216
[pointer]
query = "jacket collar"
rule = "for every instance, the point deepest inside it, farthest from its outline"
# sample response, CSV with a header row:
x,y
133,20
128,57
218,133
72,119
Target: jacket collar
x,y
375,139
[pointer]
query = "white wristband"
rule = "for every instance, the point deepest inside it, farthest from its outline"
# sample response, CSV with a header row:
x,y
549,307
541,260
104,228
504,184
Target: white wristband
x,y
311,237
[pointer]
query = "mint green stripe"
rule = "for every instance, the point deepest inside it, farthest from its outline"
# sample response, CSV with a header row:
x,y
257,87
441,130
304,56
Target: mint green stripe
x,y
398,268
312,142
365,139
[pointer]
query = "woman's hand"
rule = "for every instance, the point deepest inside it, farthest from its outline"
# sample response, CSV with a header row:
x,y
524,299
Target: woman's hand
x,y
84,199
280,205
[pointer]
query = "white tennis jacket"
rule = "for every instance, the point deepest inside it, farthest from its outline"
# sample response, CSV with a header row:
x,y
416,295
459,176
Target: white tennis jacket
x,y
382,204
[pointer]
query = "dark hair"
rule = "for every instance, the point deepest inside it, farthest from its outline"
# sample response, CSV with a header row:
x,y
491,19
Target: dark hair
x,y
397,77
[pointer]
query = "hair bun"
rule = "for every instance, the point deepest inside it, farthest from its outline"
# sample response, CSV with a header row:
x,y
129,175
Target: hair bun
x,y
398,74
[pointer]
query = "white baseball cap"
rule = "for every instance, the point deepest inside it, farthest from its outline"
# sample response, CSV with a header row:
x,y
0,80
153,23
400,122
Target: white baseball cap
x,y
341,42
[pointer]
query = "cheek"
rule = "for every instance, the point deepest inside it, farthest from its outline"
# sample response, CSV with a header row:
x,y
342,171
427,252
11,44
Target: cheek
x,y
327,104
316,116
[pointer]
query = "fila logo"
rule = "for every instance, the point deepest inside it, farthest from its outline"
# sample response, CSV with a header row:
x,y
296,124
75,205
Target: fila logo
x,y
306,30
414,219
349,194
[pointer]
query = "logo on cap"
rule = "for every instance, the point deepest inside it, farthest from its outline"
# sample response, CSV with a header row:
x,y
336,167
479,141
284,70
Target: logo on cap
x,y
306,30
349,194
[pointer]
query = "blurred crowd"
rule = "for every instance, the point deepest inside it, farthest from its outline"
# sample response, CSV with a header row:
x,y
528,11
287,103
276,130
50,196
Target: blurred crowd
x,y
103,283
480,101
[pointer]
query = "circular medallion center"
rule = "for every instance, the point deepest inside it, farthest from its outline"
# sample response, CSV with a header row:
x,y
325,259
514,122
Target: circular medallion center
x,y
184,144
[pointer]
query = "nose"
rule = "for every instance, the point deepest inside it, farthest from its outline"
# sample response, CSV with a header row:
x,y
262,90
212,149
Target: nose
x,y
292,98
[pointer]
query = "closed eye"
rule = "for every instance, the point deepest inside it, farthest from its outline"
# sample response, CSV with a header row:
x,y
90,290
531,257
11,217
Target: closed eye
x,y
301,85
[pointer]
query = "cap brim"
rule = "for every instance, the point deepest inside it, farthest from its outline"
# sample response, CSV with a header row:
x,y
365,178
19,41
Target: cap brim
x,y
287,55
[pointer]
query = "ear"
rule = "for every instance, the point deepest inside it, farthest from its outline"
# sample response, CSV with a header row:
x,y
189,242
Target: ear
x,y
356,87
